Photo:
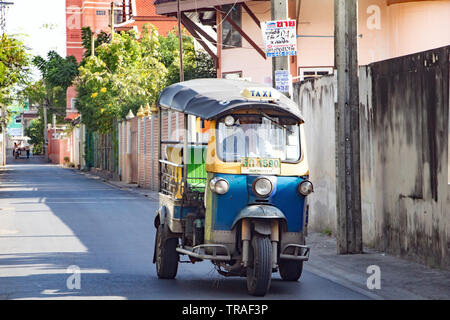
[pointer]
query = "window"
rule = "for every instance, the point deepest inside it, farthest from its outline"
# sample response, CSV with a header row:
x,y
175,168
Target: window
x,y
232,75
18,119
230,37
73,103
259,136
100,12
313,72
118,16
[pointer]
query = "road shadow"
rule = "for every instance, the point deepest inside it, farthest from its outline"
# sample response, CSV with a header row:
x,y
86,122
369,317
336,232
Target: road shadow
x,y
109,234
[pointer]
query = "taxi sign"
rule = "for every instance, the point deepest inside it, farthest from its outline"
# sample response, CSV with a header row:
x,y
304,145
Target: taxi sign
x,y
265,94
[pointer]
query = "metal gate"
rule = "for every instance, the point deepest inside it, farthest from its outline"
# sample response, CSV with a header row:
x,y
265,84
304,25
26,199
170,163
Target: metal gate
x,y
134,157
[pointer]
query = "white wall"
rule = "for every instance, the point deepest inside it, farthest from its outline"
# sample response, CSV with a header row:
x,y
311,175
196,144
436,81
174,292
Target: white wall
x,y
316,102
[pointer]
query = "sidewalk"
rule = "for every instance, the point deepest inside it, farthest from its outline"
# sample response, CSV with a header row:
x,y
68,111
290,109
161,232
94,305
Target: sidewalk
x,y
131,187
400,279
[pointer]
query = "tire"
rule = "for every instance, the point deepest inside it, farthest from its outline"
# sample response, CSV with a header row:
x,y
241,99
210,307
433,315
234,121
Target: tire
x,y
166,254
291,270
259,274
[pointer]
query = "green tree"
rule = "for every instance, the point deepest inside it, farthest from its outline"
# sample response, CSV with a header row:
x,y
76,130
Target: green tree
x,y
86,38
123,75
196,64
58,74
56,70
128,72
36,132
14,61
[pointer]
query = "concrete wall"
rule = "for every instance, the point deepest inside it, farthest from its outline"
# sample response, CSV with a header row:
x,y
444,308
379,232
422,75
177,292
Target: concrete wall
x,y
58,149
404,142
316,101
405,127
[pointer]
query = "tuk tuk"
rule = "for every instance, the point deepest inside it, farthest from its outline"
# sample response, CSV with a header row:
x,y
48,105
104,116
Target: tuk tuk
x,y
233,174
20,147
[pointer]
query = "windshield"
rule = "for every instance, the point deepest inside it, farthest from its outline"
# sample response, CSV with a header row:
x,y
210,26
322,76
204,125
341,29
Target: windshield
x,y
259,136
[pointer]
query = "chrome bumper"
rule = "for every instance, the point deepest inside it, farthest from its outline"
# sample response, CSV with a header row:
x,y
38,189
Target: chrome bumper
x,y
199,252
301,253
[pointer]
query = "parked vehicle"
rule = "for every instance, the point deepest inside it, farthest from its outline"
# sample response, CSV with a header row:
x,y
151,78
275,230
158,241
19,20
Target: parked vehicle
x,y
237,196
21,147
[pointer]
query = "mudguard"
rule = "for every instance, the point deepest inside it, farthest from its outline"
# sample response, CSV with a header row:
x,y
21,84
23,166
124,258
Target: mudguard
x,y
259,211
161,215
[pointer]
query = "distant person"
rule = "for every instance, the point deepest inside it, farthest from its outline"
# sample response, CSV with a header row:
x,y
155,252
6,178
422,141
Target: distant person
x,y
14,148
27,149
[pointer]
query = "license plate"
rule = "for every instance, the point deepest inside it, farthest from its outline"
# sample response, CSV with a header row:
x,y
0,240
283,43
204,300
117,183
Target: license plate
x,y
260,166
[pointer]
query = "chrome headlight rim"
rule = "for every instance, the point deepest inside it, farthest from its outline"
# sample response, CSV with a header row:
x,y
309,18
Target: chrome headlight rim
x,y
309,189
215,187
254,187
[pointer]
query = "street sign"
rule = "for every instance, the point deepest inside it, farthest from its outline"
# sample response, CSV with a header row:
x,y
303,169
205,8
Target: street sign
x,y
283,80
280,38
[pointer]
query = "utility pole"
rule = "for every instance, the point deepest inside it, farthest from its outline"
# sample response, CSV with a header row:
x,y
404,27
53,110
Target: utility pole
x,y
111,20
3,7
3,117
219,21
279,11
92,44
180,41
45,131
348,185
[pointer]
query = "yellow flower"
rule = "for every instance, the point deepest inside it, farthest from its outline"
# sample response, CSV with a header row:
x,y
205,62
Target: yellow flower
x,y
103,90
109,105
101,110
94,95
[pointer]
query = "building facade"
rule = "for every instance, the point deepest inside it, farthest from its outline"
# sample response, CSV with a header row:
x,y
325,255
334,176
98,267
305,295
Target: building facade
x,y
386,29
128,14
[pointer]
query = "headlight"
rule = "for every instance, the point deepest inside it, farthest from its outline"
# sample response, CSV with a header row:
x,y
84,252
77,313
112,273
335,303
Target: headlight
x,y
262,187
305,187
219,185
229,121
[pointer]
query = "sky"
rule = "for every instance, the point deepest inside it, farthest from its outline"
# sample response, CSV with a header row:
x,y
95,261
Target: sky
x,y
40,23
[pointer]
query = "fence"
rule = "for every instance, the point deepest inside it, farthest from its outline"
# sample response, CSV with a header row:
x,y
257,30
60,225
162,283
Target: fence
x,y
101,151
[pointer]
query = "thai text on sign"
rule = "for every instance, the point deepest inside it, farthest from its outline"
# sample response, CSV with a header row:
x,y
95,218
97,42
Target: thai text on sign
x,y
280,38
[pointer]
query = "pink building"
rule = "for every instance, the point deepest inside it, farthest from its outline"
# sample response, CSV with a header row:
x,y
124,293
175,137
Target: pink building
x,y
387,29
128,14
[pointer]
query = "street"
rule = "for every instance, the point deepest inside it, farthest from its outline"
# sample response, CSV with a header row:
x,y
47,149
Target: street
x,y
52,218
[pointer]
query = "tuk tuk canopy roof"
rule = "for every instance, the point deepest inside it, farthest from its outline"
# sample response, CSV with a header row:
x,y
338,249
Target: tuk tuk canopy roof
x,y
211,98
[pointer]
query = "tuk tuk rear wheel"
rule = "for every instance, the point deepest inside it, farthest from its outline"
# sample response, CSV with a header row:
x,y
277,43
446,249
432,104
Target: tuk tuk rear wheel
x,y
259,274
291,270
166,254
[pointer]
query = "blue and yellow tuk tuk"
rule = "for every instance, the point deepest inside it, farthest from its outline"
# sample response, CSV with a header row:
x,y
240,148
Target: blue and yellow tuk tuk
x,y
233,172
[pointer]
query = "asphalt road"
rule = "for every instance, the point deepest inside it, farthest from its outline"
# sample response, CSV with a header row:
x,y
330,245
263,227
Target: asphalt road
x,y
52,218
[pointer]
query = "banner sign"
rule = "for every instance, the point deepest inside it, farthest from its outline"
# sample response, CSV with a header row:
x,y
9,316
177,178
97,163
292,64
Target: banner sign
x,y
280,38
282,80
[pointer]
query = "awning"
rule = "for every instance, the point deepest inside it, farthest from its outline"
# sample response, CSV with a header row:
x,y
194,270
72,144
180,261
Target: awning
x,y
72,116
170,6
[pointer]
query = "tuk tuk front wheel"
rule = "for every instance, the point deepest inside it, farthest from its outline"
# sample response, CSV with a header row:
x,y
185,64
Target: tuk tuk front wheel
x,y
166,254
290,270
259,273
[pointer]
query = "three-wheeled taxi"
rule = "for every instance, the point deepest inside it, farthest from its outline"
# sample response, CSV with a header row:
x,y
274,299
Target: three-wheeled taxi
x,y
233,174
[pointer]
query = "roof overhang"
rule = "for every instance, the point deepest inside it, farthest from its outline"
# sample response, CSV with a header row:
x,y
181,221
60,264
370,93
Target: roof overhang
x,y
169,7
